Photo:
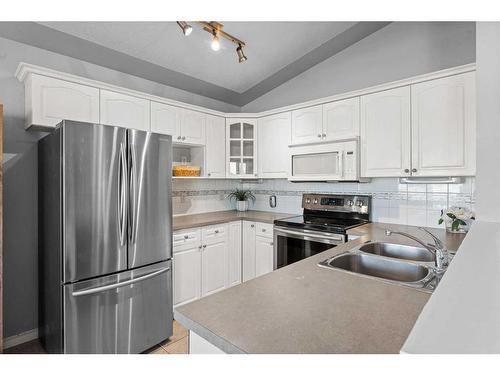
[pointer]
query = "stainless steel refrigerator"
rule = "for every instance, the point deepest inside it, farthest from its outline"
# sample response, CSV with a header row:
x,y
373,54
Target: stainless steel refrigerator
x,y
105,229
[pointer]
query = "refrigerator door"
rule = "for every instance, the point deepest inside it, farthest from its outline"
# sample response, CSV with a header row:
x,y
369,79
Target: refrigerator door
x,y
150,202
127,312
94,200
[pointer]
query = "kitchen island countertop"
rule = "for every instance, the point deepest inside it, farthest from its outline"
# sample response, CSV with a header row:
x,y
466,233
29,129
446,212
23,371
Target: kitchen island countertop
x,y
303,308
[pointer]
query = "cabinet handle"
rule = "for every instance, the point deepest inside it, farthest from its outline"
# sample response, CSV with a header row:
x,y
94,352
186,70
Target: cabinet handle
x,y
407,170
414,170
319,135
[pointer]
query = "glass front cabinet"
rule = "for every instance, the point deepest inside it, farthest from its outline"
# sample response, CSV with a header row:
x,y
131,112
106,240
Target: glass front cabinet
x,y
241,148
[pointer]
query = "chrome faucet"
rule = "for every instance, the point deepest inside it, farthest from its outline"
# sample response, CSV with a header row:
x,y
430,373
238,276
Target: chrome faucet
x,y
438,249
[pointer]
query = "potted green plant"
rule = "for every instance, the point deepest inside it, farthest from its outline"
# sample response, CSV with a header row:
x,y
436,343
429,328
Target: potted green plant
x,y
241,197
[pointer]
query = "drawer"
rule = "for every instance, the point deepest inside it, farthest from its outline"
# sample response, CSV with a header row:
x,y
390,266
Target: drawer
x,y
186,237
214,233
264,230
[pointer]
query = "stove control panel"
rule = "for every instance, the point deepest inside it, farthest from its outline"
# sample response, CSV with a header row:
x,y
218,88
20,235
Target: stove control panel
x,y
335,202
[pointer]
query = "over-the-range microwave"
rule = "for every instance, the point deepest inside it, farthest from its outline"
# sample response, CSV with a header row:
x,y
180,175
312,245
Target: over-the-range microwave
x,y
334,161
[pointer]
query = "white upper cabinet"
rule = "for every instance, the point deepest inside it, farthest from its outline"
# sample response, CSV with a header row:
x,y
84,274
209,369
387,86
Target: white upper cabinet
x,y
216,146
124,110
165,119
274,138
307,125
50,100
241,148
341,119
443,126
193,127
385,133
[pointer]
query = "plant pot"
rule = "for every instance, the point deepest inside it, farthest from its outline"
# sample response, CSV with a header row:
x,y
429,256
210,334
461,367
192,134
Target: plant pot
x,y
461,228
241,205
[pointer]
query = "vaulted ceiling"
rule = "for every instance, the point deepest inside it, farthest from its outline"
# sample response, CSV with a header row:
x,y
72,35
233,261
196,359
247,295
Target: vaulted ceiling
x,y
158,51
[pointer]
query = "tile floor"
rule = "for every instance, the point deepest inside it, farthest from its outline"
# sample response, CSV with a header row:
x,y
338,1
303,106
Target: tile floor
x,y
176,344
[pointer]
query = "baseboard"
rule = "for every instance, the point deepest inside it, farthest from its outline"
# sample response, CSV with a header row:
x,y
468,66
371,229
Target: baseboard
x,y
21,338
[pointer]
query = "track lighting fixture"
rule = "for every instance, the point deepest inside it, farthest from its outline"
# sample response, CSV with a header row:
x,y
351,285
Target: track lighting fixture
x,y
215,42
241,55
215,29
186,29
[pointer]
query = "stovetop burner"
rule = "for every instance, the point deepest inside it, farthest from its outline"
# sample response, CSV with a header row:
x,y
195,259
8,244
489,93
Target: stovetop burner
x,y
330,213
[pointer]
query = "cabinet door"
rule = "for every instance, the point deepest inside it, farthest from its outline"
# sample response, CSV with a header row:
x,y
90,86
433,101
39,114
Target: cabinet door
x,y
214,265
193,127
165,119
248,250
274,138
187,274
341,119
234,254
385,133
53,100
443,126
263,255
241,148
307,125
124,110
216,147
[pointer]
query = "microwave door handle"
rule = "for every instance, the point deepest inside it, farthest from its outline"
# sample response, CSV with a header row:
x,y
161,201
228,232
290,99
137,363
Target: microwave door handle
x,y
341,163
100,289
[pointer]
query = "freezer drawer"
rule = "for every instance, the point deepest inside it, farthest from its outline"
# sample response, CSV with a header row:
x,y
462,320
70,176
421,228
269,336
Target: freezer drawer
x,y
124,313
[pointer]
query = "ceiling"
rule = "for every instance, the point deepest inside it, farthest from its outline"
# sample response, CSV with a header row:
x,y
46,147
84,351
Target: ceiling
x,y
159,51
270,46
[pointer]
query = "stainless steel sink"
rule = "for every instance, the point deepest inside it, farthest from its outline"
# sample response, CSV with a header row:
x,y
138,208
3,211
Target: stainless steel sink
x,y
392,250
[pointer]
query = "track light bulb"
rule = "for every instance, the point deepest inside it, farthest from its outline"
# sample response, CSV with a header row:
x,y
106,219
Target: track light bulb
x,y
186,29
215,43
241,55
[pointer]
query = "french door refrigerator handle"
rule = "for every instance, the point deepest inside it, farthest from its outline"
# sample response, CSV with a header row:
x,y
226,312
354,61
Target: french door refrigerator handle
x,y
133,193
122,193
86,292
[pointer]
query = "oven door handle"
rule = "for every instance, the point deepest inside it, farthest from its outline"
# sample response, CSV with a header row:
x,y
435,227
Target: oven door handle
x,y
310,235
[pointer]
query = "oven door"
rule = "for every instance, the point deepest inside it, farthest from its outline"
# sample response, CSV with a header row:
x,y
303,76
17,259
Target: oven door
x,y
292,245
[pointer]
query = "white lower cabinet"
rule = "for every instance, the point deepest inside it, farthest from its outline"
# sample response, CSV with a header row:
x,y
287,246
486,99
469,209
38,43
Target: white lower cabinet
x,y
209,260
258,249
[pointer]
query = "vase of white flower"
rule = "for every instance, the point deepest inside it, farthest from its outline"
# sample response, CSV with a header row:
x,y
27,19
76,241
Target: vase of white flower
x,y
457,219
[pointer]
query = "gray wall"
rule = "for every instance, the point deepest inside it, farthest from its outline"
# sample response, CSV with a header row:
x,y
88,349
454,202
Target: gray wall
x,y
20,176
488,121
399,50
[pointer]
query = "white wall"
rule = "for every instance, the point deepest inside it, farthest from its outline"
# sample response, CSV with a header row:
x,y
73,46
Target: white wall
x,y
399,50
488,121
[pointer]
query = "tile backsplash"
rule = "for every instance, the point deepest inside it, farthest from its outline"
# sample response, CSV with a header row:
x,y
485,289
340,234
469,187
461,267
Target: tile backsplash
x,y
392,202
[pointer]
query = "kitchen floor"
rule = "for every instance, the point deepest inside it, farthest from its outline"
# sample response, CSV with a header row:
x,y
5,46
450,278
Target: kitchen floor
x,y
176,344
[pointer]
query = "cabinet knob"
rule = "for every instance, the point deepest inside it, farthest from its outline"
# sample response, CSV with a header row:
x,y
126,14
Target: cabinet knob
x,y
263,229
251,226
414,170
216,231
204,246
319,135
179,137
199,247
255,174
407,170
271,243
209,174
186,236
183,138
324,135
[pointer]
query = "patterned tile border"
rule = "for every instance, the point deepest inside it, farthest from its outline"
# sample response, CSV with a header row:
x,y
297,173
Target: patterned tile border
x,y
453,197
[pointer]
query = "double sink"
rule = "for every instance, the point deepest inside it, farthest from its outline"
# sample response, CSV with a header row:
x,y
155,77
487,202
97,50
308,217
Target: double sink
x,y
400,264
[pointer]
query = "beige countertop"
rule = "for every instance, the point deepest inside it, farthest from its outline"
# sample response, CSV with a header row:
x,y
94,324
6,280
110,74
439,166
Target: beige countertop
x,y
218,217
303,308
